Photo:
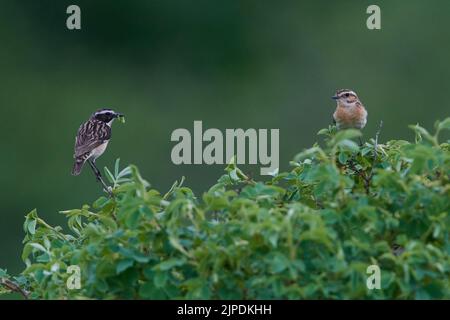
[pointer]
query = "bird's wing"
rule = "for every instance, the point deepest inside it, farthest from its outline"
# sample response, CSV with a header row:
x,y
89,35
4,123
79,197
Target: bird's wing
x,y
90,135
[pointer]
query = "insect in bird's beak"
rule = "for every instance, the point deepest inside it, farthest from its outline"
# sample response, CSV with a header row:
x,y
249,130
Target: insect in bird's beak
x,y
120,117
335,97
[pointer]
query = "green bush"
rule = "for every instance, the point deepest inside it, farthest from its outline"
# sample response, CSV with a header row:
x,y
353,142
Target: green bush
x,y
308,233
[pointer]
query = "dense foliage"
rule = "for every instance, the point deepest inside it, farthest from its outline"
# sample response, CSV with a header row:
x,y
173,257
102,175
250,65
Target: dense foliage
x,y
308,233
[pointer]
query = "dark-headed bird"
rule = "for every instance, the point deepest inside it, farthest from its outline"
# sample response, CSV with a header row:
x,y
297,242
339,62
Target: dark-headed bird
x,y
92,139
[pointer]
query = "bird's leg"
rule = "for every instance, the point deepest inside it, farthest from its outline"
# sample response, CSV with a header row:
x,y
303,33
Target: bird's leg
x,y
99,178
98,175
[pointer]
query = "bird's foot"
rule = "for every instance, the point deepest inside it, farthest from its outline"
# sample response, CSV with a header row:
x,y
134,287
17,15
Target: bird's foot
x,y
109,191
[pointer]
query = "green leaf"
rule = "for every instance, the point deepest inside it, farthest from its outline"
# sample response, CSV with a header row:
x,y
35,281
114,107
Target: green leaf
x,y
149,291
169,264
133,219
3,273
444,125
343,157
27,249
100,202
109,175
146,212
345,135
323,131
307,153
37,246
31,226
116,167
109,222
422,132
122,265
279,263
348,145
160,279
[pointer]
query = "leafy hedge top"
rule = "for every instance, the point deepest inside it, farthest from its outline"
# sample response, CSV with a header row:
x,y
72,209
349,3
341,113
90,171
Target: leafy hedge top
x,y
308,233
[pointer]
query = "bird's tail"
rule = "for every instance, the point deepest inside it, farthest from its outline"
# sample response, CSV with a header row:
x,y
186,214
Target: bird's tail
x,y
77,166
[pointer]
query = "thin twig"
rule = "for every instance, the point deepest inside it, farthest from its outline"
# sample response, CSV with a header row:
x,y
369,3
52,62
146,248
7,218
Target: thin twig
x,y
360,173
368,178
11,286
58,233
375,150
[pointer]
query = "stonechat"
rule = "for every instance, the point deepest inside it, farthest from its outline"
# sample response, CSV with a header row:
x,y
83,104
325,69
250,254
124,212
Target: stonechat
x,y
92,139
350,112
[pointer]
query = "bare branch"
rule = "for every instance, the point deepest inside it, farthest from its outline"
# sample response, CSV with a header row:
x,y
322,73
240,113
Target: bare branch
x,y
8,284
375,149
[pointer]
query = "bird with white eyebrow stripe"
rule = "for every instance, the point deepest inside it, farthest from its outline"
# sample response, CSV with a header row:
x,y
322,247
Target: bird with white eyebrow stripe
x,y
91,141
350,112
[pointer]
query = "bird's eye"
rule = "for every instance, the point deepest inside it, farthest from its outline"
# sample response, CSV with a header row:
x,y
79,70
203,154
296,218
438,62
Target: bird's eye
x,y
347,95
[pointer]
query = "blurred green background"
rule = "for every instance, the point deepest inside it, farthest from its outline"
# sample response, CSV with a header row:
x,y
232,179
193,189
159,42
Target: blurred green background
x,y
231,64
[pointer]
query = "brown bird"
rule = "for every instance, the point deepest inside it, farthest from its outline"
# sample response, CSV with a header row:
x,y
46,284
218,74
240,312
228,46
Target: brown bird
x,y
92,139
350,112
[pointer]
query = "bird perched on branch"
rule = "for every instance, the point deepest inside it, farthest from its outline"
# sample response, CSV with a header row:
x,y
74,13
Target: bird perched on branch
x,y
92,139
350,112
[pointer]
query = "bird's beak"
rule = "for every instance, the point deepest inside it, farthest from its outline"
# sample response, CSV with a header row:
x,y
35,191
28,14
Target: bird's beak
x,y
119,115
335,97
